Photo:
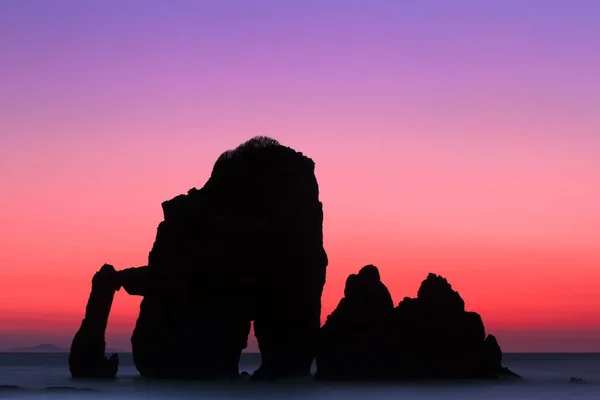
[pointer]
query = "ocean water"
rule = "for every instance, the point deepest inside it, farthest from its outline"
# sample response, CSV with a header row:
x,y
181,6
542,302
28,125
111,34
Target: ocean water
x,y
546,376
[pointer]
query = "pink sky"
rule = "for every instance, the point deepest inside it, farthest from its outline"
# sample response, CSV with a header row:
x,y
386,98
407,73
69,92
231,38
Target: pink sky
x,y
463,142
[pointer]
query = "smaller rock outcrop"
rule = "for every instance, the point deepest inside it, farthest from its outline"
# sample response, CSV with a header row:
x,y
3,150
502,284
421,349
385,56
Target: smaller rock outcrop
x,y
350,339
577,380
86,358
430,336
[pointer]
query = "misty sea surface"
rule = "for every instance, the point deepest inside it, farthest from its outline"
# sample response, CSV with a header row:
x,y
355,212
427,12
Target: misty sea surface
x,y
546,376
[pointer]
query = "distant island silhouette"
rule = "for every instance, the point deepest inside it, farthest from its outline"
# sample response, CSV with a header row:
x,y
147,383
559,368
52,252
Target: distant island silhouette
x,y
248,248
51,348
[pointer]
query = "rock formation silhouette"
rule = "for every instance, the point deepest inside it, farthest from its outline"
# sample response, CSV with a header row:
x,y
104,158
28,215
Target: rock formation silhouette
x,y
248,246
430,336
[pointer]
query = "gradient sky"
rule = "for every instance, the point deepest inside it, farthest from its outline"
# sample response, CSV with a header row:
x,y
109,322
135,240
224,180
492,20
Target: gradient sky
x,y
457,137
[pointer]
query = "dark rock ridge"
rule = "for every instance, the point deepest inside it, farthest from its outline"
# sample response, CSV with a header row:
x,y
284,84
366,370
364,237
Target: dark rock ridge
x,y
248,246
430,336
86,356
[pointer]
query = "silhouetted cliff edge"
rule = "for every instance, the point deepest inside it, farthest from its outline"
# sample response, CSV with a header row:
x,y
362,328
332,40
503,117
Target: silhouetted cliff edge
x,y
430,336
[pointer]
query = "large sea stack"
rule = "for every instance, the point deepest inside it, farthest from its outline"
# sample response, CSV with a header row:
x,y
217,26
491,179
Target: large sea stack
x,y
430,336
248,246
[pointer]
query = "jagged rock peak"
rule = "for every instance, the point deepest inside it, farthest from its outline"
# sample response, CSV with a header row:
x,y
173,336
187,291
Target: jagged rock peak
x,y
253,144
370,271
258,145
366,287
357,284
262,158
437,292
